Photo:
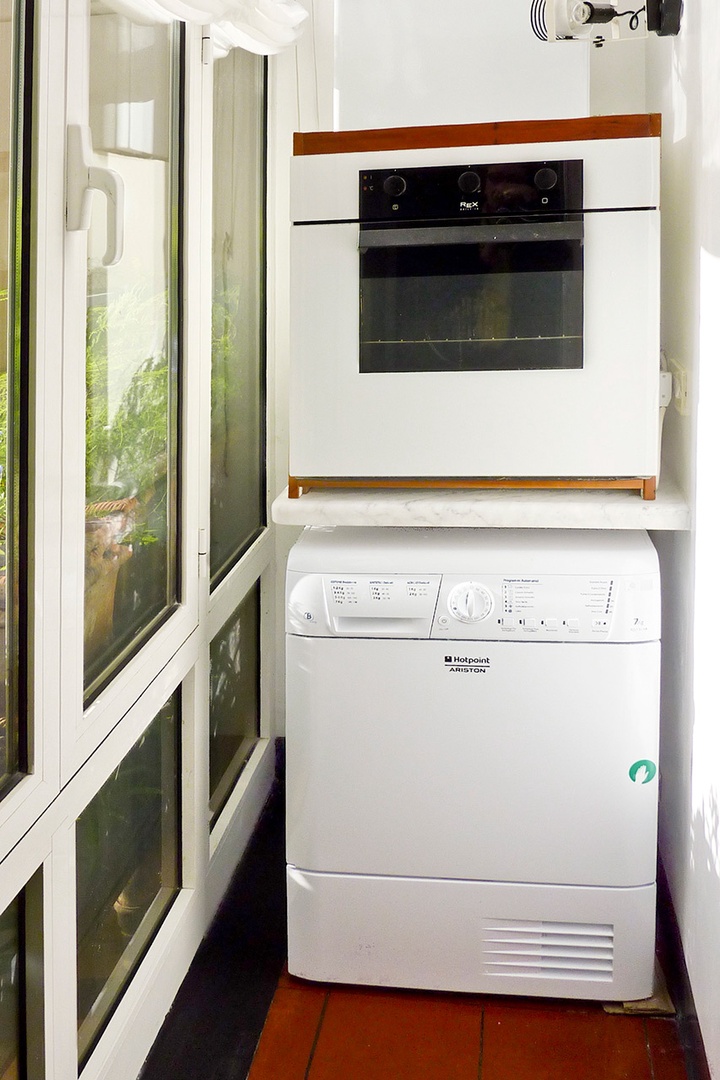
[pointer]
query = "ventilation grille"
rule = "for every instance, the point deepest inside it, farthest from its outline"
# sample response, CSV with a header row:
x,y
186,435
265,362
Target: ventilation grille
x,y
549,950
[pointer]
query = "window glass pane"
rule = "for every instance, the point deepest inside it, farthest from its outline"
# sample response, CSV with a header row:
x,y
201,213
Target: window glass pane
x,y
234,697
14,223
238,405
132,342
489,306
127,869
21,989
10,1001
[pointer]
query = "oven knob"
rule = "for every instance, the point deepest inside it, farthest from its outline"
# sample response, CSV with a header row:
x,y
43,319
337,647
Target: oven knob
x,y
469,182
470,602
394,185
546,179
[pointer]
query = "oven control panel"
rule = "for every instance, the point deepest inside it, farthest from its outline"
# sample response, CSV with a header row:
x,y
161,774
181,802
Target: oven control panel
x,y
454,192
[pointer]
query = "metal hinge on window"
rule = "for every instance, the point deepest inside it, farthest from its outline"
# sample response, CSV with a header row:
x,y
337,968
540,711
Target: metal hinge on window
x,y
202,552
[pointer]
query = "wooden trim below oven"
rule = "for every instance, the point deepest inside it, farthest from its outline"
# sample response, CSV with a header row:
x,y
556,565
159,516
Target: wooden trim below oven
x,y
646,485
630,126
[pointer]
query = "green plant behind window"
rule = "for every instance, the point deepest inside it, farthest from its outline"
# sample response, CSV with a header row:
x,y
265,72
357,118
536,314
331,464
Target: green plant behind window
x,y
126,450
127,454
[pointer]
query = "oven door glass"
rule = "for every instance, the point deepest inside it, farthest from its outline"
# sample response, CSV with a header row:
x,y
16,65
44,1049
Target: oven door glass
x,y
472,297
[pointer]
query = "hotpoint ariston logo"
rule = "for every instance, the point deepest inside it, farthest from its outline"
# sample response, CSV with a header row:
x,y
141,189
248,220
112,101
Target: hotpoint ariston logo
x,y
476,665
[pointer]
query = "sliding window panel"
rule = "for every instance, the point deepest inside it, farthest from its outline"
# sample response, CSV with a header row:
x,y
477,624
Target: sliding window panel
x,y
234,698
127,869
128,840
21,989
130,586
133,342
14,320
32,237
10,994
237,495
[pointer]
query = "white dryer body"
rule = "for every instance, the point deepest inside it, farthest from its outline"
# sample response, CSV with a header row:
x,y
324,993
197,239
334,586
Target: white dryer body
x,y
472,740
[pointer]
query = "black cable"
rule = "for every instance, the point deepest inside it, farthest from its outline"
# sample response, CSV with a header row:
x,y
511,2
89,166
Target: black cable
x,y
634,17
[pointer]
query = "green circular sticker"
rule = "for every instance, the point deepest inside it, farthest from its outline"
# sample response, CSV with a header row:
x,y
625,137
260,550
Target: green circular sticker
x,y
643,771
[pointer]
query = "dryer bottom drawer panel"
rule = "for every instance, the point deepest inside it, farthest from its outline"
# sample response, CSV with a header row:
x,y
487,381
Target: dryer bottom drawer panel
x,y
472,936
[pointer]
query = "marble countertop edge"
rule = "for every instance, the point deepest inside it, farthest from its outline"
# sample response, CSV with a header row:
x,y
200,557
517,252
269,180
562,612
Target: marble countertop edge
x,y
492,508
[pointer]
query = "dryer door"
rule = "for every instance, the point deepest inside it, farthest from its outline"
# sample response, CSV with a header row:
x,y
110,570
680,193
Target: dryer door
x,y
498,761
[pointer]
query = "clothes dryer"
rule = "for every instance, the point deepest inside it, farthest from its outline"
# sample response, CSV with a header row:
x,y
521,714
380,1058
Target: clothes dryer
x,y
472,740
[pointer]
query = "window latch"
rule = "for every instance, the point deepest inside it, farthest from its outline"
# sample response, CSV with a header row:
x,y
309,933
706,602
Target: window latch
x,y
82,178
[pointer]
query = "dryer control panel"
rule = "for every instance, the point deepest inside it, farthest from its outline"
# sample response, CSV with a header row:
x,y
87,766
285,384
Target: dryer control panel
x,y
549,608
362,605
476,607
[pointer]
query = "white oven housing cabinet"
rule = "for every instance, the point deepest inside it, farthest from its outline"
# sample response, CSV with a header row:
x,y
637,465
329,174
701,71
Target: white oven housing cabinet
x,y
472,736
597,420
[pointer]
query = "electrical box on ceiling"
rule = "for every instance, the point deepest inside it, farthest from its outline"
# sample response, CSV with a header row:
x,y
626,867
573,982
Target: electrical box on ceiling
x,y
581,20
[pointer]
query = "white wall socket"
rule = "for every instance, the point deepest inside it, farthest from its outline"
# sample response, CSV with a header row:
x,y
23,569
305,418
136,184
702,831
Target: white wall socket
x,y
681,391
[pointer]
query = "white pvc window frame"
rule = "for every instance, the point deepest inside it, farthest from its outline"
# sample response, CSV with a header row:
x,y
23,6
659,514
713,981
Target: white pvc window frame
x,y
83,729
74,750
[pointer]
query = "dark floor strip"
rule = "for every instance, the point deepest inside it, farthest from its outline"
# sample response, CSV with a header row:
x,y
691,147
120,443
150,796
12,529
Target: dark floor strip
x,y
215,1022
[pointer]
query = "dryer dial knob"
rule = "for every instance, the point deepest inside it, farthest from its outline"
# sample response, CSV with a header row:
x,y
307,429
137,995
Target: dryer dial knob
x,y
470,602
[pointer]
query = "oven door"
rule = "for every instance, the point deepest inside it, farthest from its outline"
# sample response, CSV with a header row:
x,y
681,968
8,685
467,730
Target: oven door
x,y
588,409
472,297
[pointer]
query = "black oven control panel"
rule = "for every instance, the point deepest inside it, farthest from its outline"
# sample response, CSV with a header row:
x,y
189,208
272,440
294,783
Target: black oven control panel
x,y
454,192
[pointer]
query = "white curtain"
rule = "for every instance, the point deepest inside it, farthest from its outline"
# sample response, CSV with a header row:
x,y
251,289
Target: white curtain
x,y
260,26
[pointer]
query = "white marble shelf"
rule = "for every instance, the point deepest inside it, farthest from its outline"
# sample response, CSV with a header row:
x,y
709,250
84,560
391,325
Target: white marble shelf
x,y
504,509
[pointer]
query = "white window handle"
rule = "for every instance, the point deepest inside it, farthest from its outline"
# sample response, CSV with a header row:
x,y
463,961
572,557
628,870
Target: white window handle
x,y
82,179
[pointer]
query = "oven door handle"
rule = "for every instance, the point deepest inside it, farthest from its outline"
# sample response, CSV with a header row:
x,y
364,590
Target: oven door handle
x,y
517,232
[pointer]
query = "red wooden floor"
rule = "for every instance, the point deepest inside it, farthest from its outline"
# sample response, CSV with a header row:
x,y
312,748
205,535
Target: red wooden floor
x,y
315,1032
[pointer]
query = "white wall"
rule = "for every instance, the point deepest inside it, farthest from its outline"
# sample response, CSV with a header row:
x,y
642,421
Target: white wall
x,y
400,64
617,76
684,83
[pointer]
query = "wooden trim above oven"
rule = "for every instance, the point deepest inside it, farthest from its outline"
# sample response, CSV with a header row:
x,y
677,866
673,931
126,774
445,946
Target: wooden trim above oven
x,y
632,126
646,485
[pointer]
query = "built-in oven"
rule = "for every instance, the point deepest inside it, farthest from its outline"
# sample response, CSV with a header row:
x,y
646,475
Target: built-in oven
x,y
476,312
476,268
